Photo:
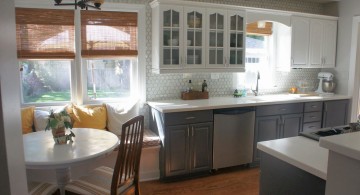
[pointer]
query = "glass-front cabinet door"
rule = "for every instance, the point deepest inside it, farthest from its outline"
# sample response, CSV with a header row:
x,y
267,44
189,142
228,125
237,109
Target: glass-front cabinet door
x,y
194,37
216,38
236,38
171,43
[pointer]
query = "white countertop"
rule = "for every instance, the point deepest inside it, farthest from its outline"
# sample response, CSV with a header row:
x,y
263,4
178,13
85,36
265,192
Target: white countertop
x,y
178,105
347,144
300,152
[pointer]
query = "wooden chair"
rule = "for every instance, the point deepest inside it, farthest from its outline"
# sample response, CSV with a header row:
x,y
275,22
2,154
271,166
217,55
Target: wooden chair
x,y
125,175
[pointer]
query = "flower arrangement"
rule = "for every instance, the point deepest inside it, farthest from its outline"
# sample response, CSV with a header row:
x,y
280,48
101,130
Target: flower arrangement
x,y
58,120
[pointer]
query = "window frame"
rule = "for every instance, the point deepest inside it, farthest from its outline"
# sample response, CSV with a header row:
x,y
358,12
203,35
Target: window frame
x,y
78,74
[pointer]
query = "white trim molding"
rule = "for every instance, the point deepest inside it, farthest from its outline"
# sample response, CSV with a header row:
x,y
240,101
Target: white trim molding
x,y
354,69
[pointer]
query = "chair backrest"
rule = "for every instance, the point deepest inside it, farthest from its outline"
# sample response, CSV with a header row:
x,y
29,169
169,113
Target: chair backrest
x,y
127,165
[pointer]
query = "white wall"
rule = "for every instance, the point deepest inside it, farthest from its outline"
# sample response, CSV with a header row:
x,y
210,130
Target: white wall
x,y
347,10
11,151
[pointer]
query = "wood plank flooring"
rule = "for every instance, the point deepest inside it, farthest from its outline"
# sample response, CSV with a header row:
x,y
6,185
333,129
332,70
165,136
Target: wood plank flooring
x,y
238,180
230,181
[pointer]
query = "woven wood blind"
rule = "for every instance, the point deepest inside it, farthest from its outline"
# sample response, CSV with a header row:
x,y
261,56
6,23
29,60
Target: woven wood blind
x,y
45,33
253,29
108,34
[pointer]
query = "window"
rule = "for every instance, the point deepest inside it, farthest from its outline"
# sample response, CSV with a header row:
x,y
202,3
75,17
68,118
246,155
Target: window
x,y
109,47
267,49
45,80
107,79
107,68
45,47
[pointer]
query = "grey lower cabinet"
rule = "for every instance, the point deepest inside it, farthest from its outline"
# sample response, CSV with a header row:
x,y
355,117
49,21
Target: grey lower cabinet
x,y
277,121
187,141
189,149
335,113
312,116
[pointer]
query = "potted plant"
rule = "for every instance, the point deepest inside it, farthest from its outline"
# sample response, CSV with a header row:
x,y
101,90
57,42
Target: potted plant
x,y
58,122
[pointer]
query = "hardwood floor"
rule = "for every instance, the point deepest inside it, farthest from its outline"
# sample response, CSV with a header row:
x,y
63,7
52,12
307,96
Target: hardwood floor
x,y
238,180
230,181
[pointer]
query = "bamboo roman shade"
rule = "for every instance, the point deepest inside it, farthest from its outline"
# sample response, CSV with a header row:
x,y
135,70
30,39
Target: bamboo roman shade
x,y
254,29
108,34
45,33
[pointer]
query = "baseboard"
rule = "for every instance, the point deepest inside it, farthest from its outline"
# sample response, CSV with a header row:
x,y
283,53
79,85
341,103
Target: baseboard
x,y
149,175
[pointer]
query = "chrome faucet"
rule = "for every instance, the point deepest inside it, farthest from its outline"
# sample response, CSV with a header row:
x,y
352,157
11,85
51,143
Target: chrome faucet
x,y
256,91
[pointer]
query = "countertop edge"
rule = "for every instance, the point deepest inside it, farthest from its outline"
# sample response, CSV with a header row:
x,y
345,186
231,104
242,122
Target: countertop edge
x,y
195,105
297,163
341,146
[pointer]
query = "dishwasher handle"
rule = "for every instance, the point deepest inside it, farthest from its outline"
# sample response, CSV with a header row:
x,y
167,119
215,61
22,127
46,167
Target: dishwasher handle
x,y
234,111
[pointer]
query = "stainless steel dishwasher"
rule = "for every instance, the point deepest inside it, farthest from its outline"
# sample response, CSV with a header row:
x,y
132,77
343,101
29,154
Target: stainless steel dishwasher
x,y
233,136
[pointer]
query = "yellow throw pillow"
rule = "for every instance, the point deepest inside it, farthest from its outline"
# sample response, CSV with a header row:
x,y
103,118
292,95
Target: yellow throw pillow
x,y
27,119
94,117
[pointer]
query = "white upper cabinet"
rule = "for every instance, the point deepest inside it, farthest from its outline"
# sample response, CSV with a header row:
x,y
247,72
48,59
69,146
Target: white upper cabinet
x,y
329,44
189,39
313,42
225,40
300,42
194,37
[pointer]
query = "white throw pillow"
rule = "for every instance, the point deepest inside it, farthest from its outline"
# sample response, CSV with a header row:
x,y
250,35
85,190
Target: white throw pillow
x,y
118,114
41,115
40,119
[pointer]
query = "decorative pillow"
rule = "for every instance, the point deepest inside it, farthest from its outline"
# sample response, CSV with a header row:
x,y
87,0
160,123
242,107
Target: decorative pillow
x,y
40,119
27,118
89,117
118,114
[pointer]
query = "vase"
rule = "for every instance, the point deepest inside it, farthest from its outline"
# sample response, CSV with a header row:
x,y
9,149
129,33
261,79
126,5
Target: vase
x,y
59,135
58,132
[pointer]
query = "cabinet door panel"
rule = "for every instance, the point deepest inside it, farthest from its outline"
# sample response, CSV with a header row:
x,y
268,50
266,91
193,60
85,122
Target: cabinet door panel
x,y
216,41
291,125
316,43
329,48
177,150
267,128
236,39
335,113
171,25
194,37
201,147
300,41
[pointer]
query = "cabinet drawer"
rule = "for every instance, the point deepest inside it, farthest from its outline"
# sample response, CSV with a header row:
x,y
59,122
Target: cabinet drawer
x,y
313,106
180,118
311,126
312,116
279,109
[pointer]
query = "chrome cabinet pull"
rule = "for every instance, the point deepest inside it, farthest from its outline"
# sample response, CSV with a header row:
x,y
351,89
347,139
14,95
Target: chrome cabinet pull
x,y
312,116
313,106
188,132
311,127
192,131
283,109
190,117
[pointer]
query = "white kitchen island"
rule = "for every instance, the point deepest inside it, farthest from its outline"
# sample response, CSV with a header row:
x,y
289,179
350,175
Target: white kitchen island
x,y
295,165
343,173
335,160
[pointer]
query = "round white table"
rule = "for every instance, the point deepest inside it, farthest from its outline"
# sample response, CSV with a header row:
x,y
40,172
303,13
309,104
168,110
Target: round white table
x,y
41,152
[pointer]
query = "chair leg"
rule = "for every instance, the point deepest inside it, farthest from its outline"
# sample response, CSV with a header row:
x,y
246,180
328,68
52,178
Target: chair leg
x,y
137,188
